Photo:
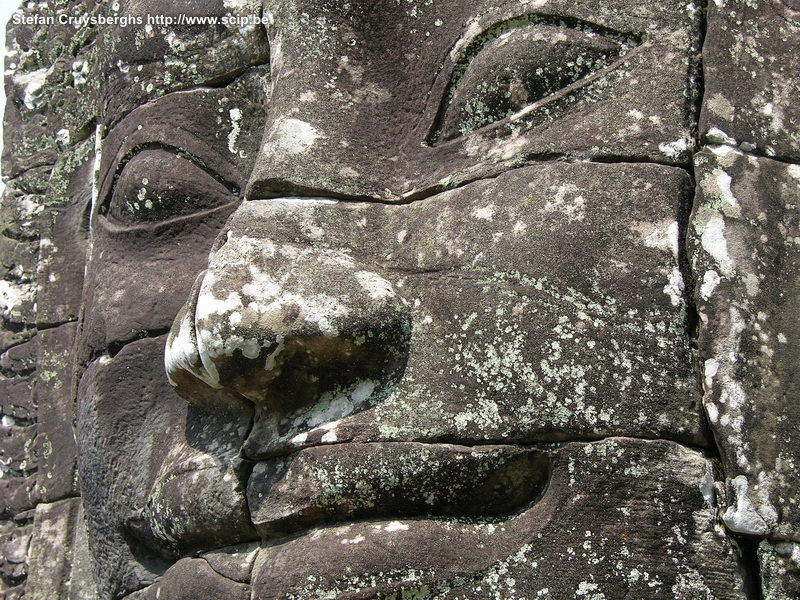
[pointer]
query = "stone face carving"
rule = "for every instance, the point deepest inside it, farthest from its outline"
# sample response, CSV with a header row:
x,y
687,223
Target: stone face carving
x,y
457,300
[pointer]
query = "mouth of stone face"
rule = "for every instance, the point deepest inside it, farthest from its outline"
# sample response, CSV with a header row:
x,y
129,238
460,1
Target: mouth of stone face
x,y
388,480
318,486
380,506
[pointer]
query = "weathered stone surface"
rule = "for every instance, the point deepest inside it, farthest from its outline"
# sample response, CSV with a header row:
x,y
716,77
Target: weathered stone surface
x,y
193,578
64,236
14,592
52,94
541,310
156,510
21,359
391,79
146,60
744,246
19,211
18,402
32,181
11,336
780,570
19,261
50,108
35,42
17,451
15,544
547,302
18,303
55,441
751,64
60,565
646,530
235,562
17,494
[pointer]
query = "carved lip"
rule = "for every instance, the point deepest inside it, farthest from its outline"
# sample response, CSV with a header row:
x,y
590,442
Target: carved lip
x,y
350,482
377,505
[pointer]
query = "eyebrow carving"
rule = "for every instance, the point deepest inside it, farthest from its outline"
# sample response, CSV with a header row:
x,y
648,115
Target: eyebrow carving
x,y
626,39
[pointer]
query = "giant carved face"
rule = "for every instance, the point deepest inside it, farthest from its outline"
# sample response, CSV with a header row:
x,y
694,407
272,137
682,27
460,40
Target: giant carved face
x,y
390,300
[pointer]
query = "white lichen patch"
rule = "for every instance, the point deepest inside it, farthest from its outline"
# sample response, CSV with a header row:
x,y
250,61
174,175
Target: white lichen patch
x,y
309,96
675,287
333,406
484,213
663,235
674,149
568,202
743,518
720,106
299,439
362,391
291,136
80,72
375,285
209,306
713,241
349,172
32,84
724,185
588,590
717,136
691,584
337,408
502,149
710,369
711,280
13,296
356,540
241,6
236,130
62,137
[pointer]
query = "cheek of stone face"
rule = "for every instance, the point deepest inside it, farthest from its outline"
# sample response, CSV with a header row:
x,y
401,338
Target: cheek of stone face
x,y
159,478
545,304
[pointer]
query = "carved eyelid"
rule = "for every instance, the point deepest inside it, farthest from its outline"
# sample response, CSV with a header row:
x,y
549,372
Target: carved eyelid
x,y
627,41
194,163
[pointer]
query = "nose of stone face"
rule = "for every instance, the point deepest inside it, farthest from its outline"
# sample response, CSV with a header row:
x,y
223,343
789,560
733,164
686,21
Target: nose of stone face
x,y
285,326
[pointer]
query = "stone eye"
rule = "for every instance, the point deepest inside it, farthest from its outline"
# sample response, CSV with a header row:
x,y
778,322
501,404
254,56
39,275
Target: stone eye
x,y
517,65
158,184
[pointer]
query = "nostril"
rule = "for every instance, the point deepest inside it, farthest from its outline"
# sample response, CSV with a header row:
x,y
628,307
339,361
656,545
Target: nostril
x,y
185,369
286,326
181,357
